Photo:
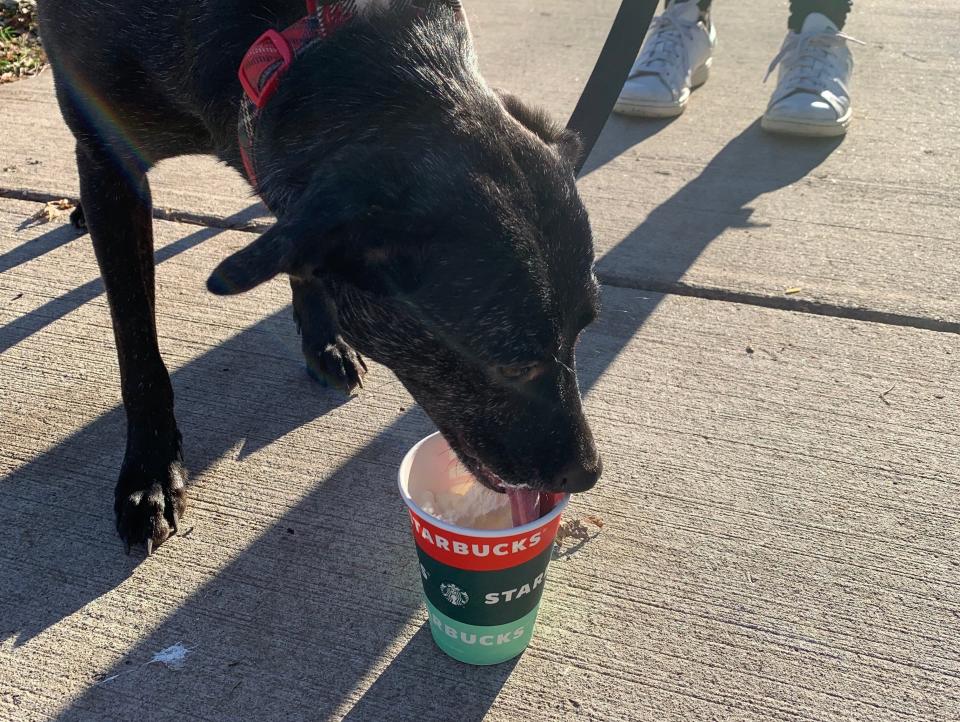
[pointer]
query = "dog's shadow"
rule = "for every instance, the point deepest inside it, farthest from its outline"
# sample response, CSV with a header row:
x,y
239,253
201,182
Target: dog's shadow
x,y
422,683
60,235
322,592
661,249
327,588
58,493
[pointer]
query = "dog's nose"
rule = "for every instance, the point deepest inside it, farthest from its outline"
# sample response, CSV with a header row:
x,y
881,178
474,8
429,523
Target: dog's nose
x,y
577,477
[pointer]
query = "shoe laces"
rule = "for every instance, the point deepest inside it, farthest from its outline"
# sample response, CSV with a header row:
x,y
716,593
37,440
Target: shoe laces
x,y
809,57
666,44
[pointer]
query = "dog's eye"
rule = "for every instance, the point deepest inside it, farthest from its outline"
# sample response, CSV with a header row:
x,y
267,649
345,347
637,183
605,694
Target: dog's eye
x,y
520,372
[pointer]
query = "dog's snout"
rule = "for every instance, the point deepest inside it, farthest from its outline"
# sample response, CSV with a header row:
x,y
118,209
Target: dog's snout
x,y
577,476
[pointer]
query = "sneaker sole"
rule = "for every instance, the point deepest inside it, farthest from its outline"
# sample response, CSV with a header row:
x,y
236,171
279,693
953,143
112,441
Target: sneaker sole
x,y
807,130
664,110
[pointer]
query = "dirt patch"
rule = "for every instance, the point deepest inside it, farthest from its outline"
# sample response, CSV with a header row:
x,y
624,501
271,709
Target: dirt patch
x,y
20,52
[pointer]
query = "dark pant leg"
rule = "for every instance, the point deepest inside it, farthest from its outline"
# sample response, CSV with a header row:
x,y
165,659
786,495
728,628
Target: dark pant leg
x,y
836,10
703,4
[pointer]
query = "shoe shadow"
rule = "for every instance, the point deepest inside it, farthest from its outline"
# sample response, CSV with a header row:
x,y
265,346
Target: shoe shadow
x,y
664,246
661,249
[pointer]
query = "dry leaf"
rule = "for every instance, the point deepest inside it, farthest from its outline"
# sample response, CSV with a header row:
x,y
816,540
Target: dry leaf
x,y
577,530
572,529
52,211
595,520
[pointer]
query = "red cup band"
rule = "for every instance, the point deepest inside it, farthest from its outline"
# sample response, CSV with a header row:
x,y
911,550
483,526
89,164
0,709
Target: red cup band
x,y
482,554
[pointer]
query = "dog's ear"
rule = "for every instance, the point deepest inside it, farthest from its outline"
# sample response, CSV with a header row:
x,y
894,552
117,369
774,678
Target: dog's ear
x,y
346,227
263,259
306,231
537,121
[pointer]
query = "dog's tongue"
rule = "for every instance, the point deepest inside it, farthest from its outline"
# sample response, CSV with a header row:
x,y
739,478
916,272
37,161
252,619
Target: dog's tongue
x,y
528,505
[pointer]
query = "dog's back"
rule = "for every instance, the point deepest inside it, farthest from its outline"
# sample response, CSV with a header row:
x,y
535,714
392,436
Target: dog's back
x,y
164,72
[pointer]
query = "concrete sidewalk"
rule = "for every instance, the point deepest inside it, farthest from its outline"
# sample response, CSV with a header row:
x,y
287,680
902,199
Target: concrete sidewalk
x,y
780,506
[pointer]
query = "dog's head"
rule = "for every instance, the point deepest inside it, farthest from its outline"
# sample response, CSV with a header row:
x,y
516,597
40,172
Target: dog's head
x,y
458,253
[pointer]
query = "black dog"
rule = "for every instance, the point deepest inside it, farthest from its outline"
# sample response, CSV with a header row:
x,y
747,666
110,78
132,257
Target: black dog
x,y
425,221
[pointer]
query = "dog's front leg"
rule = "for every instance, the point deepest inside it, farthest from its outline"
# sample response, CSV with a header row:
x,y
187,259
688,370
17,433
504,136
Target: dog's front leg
x,y
149,496
330,360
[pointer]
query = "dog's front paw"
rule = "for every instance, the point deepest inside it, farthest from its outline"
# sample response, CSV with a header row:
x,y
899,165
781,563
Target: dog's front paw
x,y
337,365
149,502
78,220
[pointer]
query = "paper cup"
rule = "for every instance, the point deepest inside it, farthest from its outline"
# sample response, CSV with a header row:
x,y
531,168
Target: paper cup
x,y
482,589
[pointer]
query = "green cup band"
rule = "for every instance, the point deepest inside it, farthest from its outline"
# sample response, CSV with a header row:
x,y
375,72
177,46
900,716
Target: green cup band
x,y
480,645
484,599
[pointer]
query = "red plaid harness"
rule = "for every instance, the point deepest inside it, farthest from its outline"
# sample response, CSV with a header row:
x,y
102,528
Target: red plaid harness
x,y
272,54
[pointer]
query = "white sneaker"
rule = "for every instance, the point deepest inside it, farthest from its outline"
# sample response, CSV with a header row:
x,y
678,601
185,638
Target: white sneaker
x,y
675,57
812,96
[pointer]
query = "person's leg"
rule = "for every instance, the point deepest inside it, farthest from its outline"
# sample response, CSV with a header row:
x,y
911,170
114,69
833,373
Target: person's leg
x,y
675,58
812,97
835,10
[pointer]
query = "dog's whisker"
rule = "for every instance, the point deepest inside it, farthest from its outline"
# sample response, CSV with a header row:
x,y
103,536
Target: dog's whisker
x,y
569,370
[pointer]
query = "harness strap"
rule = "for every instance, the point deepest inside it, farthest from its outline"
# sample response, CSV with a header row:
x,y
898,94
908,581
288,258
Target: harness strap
x,y
271,55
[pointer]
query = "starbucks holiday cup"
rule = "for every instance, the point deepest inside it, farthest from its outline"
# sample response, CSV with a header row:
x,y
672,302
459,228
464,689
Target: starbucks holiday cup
x,y
482,588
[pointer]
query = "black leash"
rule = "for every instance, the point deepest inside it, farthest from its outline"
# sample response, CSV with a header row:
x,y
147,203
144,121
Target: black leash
x,y
609,74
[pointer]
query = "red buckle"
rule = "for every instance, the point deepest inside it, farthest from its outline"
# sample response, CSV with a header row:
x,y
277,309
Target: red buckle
x,y
254,66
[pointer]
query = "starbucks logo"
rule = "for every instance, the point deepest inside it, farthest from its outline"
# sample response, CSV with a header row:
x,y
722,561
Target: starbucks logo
x,y
454,594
